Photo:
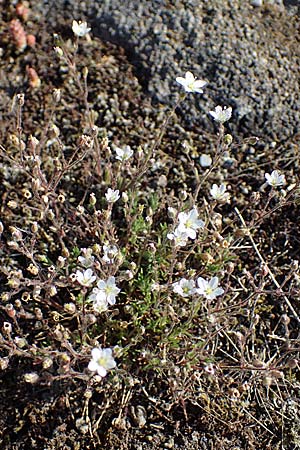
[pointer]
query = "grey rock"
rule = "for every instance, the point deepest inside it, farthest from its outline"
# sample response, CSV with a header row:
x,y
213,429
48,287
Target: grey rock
x,y
250,57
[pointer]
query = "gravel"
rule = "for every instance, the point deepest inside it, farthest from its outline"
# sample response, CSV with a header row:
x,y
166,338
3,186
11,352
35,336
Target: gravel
x,y
248,54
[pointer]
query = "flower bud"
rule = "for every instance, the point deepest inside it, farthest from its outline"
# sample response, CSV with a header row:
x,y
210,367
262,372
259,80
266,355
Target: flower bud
x,y
228,139
56,94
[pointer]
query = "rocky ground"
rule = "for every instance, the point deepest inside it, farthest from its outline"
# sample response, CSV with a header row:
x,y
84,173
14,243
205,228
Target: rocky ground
x,y
248,54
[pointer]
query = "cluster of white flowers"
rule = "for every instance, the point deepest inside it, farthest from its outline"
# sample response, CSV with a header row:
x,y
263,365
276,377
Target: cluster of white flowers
x,y
209,289
106,291
188,225
104,294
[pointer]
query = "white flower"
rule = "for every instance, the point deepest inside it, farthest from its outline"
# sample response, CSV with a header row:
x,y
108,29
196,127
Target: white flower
x,y
85,278
219,193
210,288
102,361
189,223
112,196
99,304
275,179
205,160
184,287
221,115
80,29
180,238
190,83
110,252
123,154
106,290
87,260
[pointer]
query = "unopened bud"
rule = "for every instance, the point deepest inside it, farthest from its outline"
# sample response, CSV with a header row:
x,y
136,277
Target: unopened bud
x,y
125,197
56,94
58,51
228,139
85,72
93,199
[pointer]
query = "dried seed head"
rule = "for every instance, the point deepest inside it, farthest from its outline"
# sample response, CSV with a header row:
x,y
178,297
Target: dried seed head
x,y
25,296
26,194
85,141
33,269
70,308
20,99
31,377
61,198
20,342
7,328
11,312
4,363
16,234
47,363
52,291
12,204
38,313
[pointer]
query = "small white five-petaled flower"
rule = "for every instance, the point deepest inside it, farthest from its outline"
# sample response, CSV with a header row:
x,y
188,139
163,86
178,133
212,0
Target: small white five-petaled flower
x,y
221,115
102,361
80,29
191,84
184,287
111,195
106,290
189,223
209,289
85,278
219,193
275,179
123,154
179,238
